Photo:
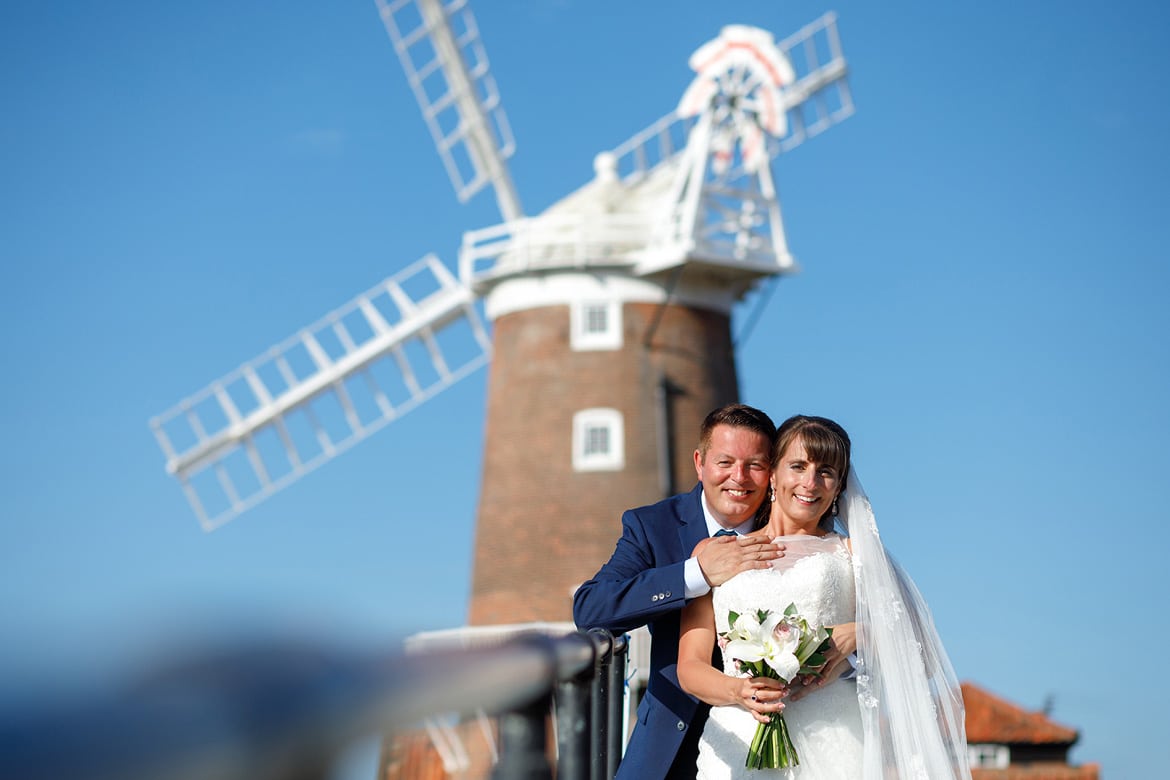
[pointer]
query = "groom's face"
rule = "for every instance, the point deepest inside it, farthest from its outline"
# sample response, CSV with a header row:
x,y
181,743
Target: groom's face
x,y
734,471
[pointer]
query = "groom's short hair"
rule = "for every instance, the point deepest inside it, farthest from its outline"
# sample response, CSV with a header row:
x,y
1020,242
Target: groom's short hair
x,y
736,416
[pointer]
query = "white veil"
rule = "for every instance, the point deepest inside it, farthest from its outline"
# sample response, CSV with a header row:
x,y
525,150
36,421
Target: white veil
x,y
911,706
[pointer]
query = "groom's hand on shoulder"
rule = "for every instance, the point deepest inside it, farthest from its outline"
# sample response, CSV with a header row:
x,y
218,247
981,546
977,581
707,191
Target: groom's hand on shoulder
x,y
722,558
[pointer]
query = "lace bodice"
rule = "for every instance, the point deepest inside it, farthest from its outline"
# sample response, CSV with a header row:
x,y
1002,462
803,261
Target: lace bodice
x,y
816,574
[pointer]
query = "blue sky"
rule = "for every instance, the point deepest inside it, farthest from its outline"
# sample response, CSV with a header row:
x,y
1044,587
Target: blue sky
x,y
981,304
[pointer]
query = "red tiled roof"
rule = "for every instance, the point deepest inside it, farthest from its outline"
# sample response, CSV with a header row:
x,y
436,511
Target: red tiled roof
x,y
1040,772
994,720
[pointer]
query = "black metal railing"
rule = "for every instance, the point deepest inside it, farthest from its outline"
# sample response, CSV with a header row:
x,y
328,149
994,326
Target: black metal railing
x,y
285,711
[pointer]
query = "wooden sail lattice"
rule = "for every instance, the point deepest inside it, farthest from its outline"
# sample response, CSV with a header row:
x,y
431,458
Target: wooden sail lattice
x,y
310,398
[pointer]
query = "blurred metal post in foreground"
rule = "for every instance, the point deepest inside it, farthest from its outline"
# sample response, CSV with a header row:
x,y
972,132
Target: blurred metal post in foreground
x,y
286,711
573,708
599,735
616,699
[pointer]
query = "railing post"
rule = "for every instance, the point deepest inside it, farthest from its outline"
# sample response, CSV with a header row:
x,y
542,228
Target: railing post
x,y
603,642
523,741
576,667
617,704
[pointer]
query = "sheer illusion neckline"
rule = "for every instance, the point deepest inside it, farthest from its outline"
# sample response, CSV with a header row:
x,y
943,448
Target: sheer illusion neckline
x,y
829,535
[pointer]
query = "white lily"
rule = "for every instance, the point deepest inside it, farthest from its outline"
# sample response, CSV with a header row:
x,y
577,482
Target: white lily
x,y
773,642
746,626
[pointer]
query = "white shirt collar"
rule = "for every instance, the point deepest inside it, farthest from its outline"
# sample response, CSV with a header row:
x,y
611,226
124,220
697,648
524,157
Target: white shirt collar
x,y
713,524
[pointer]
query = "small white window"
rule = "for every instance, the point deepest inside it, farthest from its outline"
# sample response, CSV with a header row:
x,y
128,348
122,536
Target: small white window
x,y
598,440
596,325
989,756
596,319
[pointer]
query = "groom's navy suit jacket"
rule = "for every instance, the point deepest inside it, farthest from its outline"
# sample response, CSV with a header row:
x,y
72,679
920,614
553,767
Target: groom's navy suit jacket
x,y
643,584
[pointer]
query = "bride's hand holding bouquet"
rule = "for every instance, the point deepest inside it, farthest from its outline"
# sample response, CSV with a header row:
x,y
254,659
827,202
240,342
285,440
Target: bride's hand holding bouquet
x,y
842,645
781,646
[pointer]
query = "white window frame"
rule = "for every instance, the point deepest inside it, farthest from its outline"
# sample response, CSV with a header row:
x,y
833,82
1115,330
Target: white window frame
x,y
581,339
609,420
989,756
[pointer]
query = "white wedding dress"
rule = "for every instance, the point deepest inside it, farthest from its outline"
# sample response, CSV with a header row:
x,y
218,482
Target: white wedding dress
x,y
816,574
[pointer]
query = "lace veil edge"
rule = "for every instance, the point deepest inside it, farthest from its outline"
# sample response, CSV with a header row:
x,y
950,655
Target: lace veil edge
x,y
911,705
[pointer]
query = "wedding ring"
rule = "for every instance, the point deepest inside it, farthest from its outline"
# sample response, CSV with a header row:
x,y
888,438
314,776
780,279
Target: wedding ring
x,y
753,697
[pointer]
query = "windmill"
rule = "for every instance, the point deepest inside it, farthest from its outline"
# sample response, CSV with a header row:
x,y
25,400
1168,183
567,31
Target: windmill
x,y
610,311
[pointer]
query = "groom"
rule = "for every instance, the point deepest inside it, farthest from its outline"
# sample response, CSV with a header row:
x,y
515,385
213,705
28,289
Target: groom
x,y
651,575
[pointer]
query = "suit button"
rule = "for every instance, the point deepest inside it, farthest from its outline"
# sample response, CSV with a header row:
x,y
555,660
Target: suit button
x,y
654,598
661,596
668,594
681,726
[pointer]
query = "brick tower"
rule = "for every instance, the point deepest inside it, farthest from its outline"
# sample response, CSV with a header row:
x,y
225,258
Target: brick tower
x,y
579,430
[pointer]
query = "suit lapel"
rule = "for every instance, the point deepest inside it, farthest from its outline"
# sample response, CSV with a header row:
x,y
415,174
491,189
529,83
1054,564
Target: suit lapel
x,y
694,526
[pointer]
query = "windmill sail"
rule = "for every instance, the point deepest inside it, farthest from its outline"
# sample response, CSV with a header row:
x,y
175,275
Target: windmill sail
x,y
313,396
447,68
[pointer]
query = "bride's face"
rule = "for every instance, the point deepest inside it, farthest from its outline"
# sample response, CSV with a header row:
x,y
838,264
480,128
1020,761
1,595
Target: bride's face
x,y
804,489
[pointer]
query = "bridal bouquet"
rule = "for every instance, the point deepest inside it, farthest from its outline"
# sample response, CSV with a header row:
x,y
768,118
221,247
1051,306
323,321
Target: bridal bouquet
x,y
780,646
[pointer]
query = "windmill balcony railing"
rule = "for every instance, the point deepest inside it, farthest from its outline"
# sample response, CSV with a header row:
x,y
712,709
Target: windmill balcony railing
x,y
553,242
290,711
651,147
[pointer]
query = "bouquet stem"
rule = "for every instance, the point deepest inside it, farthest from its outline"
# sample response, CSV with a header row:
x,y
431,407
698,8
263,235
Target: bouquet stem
x,y
772,746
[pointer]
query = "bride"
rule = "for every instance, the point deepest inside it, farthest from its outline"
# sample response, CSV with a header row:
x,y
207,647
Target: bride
x,y
901,714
